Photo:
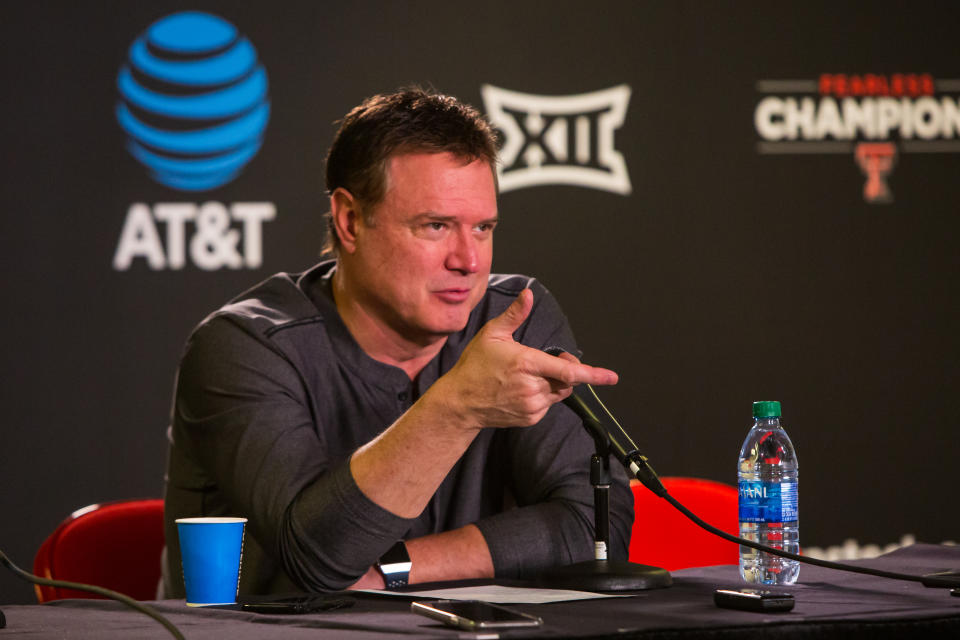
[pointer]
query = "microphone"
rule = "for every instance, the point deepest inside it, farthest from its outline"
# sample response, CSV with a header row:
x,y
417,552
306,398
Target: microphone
x,y
607,431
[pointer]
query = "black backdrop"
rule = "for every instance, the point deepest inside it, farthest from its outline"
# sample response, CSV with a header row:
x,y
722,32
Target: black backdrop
x,y
730,272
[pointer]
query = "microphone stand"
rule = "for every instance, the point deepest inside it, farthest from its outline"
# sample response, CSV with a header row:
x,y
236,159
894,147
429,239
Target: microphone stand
x,y
602,574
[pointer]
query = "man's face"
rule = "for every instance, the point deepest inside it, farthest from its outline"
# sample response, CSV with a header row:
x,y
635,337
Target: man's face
x,y
421,265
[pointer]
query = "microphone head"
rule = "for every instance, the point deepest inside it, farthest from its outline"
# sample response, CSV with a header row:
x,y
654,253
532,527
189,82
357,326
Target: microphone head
x,y
575,401
555,351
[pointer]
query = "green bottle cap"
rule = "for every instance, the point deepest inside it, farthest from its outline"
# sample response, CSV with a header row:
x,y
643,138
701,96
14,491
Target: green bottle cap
x,y
766,409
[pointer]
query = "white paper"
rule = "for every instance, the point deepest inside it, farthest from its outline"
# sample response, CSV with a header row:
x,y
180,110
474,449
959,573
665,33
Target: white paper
x,y
500,595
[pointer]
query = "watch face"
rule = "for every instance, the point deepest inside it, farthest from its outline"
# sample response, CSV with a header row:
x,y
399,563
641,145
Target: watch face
x,y
396,554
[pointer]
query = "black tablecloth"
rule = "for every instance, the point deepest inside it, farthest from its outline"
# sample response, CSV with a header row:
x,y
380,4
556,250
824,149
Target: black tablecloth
x,y
828,604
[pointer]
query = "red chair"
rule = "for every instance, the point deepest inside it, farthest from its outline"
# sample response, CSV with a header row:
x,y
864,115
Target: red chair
x,y
116,545
664,537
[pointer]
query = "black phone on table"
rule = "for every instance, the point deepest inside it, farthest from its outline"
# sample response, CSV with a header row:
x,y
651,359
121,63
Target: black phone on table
x,y
299,603
474,614
753,600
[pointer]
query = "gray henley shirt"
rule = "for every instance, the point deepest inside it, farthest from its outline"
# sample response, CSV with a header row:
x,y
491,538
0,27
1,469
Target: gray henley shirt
x,y
272,397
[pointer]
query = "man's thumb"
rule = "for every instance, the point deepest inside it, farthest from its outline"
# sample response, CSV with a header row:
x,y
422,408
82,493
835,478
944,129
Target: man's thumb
x,y
514,315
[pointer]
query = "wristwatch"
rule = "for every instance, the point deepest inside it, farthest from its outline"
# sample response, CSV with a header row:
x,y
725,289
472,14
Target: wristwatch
x,y
395,565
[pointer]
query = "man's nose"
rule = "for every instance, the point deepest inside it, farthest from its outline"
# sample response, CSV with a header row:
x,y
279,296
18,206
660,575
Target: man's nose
x,y
462,255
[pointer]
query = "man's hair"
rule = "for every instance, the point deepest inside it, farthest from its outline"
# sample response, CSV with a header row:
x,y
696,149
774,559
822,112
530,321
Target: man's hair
x,y
408,121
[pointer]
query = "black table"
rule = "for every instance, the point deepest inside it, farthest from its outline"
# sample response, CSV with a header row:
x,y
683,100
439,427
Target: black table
x,y
828,604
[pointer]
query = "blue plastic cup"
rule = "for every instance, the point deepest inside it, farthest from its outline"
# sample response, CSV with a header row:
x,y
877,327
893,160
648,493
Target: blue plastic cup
x,y
210,553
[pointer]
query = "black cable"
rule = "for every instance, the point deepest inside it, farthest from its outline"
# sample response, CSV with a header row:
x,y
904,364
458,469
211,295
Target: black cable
x,y
930,581
127,600
638,465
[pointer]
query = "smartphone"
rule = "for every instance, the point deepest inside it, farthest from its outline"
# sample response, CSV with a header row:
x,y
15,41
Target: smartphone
x,y
474,615
302,603
753,600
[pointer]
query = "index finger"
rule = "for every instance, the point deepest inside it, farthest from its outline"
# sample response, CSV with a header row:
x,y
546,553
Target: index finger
x,y
567,369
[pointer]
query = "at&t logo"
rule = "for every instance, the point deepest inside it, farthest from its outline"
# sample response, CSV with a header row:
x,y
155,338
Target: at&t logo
x,y
194,107
193,101
560,139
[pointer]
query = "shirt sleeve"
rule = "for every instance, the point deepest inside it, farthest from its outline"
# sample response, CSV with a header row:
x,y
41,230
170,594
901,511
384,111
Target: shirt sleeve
x,y
242,419
550,469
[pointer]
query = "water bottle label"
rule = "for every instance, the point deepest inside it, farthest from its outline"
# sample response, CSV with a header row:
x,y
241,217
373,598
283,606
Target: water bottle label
x,y
768,501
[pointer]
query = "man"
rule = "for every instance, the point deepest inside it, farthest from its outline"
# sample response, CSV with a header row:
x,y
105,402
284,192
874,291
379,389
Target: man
x,y
393,403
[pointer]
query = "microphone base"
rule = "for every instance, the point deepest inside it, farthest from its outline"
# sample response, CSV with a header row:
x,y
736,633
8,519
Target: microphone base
x,y
605,575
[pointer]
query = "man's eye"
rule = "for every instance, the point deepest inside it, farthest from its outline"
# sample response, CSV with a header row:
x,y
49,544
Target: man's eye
x,y
436,226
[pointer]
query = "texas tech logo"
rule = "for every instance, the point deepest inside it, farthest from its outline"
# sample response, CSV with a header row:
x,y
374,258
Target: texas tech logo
x,y
874,119
559,139
876,161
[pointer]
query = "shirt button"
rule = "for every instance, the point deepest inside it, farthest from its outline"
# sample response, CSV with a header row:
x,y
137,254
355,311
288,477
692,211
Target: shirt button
x,y
402,396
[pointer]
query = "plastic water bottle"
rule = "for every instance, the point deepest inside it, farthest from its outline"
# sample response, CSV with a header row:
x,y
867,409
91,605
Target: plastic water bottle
x,y
767,475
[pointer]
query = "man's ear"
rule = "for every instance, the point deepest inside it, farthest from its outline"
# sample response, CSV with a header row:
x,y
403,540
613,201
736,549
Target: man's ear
x,y
345,212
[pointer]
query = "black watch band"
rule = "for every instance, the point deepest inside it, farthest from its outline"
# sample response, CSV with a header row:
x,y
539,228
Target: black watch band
x,y
395,565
